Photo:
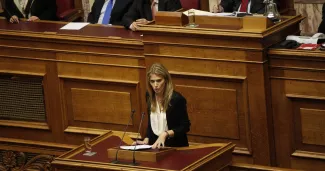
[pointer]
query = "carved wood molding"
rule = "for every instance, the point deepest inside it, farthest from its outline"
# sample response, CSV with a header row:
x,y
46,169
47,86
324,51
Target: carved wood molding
x,y
17,161
24,124
309,1
308,154
297,96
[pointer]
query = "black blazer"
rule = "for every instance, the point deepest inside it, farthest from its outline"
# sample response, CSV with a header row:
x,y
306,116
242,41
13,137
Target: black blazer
x,y
120,8
321,28
142,9
43,9
257,6
177,120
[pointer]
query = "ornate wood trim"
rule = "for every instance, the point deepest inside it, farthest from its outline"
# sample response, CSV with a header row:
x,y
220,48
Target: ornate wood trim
x,y
307,154
296,96
10,162
24,124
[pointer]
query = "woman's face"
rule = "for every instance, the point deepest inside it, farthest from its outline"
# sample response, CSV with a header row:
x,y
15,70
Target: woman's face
x,y
157,83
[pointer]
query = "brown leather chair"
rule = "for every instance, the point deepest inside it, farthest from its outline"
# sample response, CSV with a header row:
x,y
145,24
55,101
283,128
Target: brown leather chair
x,y
189,4
69,10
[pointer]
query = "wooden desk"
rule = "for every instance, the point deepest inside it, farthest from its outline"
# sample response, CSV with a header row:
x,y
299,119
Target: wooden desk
x,y
78,76
203,157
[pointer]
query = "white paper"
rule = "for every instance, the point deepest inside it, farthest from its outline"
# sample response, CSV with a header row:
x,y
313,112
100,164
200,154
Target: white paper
x,y
137,147
205,13
74,26
303,39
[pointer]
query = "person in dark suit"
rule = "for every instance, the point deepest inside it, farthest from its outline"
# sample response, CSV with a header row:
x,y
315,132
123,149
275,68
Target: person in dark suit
x,y
120,7
142,11
32,10
321,28
168,121
249,6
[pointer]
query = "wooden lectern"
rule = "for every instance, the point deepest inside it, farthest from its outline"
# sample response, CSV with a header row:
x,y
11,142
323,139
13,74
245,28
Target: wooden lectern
x,y
200,157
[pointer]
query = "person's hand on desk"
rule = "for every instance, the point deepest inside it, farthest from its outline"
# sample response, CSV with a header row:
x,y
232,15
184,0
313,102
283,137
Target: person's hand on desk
x,y
14,19
160,143
134,25
144,142
33,18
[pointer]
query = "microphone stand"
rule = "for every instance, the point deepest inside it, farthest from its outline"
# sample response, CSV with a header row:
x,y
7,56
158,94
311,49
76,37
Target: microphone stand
x,y
131,117
134,163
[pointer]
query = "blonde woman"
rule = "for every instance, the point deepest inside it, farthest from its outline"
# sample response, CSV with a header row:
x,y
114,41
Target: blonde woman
x,y
168,120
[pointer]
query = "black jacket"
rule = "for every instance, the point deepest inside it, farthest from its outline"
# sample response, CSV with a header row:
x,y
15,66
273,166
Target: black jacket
x,y
257,6
177,120
321,28
120,8
43,9
142,9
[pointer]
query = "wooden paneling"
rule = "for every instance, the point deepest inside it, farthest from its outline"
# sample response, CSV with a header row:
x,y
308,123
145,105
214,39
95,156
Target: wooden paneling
x,y
100,106
298,101
313,130
204,108
22,66
90,84
224,76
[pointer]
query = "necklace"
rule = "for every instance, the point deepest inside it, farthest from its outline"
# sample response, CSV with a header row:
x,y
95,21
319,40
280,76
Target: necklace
x,y
159,102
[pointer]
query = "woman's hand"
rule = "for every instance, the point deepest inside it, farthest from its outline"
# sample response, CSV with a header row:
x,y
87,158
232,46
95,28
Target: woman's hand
x,y
14,19
33,18
160,143
144,142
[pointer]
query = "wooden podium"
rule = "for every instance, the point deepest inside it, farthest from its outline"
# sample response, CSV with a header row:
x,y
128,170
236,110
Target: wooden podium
x,y
199,157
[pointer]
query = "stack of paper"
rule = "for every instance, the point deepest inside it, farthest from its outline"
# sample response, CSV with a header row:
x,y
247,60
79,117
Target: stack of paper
x,y
137,147
205,13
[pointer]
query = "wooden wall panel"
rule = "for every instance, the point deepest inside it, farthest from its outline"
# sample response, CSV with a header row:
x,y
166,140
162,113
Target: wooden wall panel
x,y
313,130
211,109
298,101
22,66
101,106
75,69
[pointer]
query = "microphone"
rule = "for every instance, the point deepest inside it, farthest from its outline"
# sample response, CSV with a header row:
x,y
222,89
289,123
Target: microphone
x,y
126,127
134,163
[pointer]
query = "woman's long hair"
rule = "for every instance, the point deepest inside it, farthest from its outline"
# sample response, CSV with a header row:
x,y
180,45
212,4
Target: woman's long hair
x,y
160,70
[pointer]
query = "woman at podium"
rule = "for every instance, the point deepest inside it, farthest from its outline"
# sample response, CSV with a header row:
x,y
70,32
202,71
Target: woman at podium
x,y
168,120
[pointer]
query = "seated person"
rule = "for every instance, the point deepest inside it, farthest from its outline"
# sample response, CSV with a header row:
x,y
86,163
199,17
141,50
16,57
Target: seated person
x,y
249,6
321,28
143,11
168,120
32,10
101,15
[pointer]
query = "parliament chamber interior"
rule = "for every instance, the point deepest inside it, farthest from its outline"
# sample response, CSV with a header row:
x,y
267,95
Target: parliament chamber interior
x,y
253,104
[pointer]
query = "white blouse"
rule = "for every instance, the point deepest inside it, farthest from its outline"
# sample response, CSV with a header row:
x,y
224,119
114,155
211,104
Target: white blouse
x,y
158,121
